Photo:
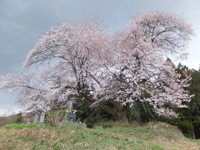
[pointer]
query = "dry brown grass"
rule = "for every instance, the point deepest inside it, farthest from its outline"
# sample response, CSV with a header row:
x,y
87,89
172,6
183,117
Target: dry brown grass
x,y
156,136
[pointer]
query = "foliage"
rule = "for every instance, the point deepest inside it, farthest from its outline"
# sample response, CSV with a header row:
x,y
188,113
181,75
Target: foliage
x,y
19,118
185,126
55,116
109,70
82,107
190,120
90,115
141,112
194,105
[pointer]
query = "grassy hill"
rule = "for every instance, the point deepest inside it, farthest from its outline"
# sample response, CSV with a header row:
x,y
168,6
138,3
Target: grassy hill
x,y
154,136
7,119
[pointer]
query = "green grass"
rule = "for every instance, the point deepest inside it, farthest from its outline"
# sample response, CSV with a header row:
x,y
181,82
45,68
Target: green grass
x,y
151,137
20,126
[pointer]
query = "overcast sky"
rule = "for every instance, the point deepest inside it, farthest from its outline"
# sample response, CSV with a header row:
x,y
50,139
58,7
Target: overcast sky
x,y
23,21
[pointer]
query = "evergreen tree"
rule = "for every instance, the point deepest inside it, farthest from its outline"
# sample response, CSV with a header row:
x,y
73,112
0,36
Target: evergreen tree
x,y
19,118
189,121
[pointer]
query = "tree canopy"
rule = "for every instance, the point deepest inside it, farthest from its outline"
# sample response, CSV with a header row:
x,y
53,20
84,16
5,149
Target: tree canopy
x,y
106,68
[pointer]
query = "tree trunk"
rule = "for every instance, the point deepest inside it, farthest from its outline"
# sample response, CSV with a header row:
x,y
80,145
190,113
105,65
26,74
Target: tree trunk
x,y
122,117
120,111
193,135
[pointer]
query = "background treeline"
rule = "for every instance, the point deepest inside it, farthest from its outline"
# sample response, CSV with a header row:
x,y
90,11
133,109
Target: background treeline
x,y
189,121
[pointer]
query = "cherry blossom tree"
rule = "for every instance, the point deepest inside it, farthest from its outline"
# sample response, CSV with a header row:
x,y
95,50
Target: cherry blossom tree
x,y
107,68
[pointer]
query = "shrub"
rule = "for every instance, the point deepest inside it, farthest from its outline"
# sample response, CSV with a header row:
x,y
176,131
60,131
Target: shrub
x,y
19,118
55,116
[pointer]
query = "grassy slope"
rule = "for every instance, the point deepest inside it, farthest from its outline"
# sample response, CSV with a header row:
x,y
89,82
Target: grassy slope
x,y
157,137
